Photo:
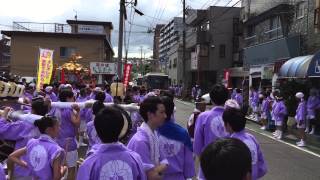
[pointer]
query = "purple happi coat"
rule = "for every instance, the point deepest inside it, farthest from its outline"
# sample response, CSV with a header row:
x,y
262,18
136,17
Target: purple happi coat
x,y
92,134
41,153
2,174
85,113
20,131
112,161
238,97
209,127
301,112
312,104
68,130
140,143
279,111
180,158
259,167
108,98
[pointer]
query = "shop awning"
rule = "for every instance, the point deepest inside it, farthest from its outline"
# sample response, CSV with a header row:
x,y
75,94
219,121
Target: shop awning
x,y
296,67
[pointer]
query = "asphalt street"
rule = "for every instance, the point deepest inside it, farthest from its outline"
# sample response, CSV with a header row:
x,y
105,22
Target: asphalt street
x,y
284,160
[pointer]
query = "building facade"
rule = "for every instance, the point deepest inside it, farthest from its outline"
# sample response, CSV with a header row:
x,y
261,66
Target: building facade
x,y
5,55
156,46
89,39
276,31
170,35
213,39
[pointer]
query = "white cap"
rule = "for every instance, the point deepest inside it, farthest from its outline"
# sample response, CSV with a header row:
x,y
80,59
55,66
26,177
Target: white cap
x,y
97,89
261,96
299,95
48,88
150,94
231,104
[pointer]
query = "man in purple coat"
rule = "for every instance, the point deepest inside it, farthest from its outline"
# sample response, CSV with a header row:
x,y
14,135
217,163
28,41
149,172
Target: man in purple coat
x,y
301,114
2,174
235,123
111,160
209,126
175,144
146,142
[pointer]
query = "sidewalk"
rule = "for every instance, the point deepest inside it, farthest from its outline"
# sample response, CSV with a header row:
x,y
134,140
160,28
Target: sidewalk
x,y
313,141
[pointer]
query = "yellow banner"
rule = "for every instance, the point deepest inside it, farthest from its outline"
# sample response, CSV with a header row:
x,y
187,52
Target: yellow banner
x,y
45,67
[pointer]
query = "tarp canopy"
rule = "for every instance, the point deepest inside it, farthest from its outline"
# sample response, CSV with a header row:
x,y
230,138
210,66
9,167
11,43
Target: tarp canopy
x,y
296,67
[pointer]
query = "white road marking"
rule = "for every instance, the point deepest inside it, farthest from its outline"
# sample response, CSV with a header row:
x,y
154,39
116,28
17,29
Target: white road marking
x,y
289,144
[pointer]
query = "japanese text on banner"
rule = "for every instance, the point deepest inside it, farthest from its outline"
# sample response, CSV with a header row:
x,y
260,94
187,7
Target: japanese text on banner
x,y
45,67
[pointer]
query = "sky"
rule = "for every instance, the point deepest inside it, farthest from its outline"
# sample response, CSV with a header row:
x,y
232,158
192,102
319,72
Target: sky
x,y
58,11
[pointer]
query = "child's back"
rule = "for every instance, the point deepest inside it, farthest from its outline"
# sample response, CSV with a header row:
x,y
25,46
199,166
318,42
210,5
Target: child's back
x,y
112,161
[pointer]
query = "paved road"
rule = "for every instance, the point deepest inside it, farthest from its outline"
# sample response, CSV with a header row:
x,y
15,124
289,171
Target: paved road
x,y
284,161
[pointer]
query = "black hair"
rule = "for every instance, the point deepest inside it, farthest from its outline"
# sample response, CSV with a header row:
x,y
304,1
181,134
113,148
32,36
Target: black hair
x,y
167,93
169,105
39,106
109,123
238,90
150,104
227,159
83,92
65,94
44,123
219,95
97,106
100,96
235,118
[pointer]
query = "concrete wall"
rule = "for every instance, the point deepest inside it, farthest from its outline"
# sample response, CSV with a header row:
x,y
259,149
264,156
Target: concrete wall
x,y
24,51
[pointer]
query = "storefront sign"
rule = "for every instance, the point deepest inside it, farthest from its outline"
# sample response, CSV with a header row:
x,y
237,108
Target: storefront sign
x,y
126,74
267,72
45,67
194,62
102,68
90,29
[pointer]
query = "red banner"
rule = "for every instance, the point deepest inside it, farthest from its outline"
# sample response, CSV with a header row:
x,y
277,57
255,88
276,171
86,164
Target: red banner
x,y
226,78
126,74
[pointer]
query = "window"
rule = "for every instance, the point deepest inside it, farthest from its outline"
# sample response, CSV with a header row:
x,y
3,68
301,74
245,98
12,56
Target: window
x,y
317,18
205,26
222,51
300,10
66,52
175,62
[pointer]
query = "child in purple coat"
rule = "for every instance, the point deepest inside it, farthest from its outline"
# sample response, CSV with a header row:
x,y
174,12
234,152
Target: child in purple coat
x,y
22,131
279,112
301,114
235,123
43,155
111,159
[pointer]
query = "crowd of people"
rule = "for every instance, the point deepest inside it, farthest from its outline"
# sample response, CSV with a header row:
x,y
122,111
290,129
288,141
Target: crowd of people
x,y
269,108
142,144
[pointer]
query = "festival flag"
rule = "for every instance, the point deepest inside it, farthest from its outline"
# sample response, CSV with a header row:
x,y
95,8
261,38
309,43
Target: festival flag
x,y
45,67
126,74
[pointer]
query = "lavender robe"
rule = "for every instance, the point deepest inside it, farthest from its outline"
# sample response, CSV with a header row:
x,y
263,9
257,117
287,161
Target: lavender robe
x,y
279,111
92,134
41,153
2,174
108,98
85,113
112,161
180,158
209,127
67,134
140,144
53,97
20,131
301,112
312,105
255,99
259,167
238,97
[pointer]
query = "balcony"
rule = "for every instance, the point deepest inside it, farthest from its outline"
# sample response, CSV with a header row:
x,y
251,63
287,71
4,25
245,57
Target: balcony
x,y
195,16
200,37
250,41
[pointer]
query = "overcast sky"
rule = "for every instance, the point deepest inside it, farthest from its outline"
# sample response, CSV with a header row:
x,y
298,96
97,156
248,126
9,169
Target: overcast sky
x,y
58,11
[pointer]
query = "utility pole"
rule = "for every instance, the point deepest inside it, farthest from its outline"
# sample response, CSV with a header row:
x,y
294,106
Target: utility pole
x,y
120,42
184,44
141,66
